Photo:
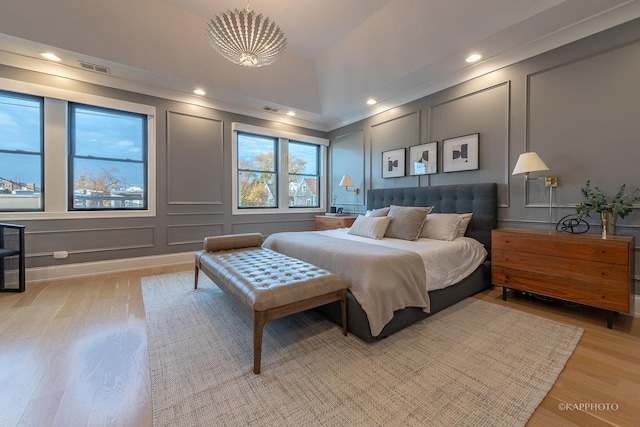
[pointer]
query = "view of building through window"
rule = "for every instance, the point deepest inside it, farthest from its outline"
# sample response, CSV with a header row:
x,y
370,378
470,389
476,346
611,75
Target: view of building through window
x,y
20,152
107,158
304,174
258,173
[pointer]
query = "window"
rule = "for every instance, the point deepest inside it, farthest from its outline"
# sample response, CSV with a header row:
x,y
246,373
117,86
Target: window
x,y
47,141
277,171
107,159
21,148
304,174
257,171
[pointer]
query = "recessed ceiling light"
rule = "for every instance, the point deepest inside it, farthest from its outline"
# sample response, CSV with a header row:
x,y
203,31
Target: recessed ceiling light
x,y
50,56
291,114
200,92
473,58
371,101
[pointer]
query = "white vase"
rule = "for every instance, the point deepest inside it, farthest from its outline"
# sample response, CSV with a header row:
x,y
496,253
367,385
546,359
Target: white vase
x,y
608,226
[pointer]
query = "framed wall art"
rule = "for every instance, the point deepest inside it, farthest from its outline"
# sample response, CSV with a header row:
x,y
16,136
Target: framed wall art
x,y
460,153
423,159
393,163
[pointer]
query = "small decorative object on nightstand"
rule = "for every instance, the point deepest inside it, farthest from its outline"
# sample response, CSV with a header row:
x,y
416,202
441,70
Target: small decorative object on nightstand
x,y
325,222
332,208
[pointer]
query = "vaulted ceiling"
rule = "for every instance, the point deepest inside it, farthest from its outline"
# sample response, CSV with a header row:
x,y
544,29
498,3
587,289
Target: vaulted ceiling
x,y
339,52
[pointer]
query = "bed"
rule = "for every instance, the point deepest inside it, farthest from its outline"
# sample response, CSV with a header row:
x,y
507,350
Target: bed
x,y
395,269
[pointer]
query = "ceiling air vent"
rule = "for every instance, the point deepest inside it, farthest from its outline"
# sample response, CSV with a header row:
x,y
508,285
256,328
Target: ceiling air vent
x,y
270,109
93,67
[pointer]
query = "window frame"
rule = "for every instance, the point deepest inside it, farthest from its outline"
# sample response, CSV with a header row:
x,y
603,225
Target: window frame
x,y
56,149
319,187
40,153
283,138
276,169
72,107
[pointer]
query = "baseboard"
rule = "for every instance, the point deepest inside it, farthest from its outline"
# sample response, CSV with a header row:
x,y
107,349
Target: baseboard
x,y
67,271
637,306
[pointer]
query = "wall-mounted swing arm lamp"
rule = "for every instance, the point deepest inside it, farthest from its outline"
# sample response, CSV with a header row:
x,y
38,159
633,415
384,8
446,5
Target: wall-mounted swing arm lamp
x,y
531,162
347,182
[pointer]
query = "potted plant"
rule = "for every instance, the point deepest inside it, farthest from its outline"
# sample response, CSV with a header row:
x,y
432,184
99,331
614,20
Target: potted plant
x,y
593,199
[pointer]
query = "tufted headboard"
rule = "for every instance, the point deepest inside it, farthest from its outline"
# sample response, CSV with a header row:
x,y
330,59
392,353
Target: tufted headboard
x,y
481,199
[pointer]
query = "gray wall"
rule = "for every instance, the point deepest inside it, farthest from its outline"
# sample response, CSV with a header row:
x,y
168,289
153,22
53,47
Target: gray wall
x,y
193,189
576,106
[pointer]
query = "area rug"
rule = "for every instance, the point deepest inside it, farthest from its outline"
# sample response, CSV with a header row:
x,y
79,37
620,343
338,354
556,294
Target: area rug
x,y
473,364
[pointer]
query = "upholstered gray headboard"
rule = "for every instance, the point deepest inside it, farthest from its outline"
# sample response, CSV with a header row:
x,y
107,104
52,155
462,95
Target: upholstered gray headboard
x,y
481,199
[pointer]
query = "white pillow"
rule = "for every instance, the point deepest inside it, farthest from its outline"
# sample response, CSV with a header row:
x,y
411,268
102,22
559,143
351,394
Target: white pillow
x,y
465,219
441,226
372,227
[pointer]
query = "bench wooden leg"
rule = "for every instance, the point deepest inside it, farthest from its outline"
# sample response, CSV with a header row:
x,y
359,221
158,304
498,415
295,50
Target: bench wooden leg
x,y
259,319
195,284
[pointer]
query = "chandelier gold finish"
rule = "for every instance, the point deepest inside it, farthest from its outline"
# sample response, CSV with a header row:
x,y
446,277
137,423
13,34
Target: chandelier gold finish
x,y
245,38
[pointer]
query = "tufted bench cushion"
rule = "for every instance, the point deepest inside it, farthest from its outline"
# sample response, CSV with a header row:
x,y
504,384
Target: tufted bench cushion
x,y
271,284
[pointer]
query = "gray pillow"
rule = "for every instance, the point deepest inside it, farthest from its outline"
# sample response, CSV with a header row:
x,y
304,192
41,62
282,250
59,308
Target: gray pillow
x,y
406,221
379,212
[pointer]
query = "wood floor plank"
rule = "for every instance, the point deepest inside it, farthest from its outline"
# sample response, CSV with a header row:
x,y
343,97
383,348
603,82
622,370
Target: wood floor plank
x,y
78,354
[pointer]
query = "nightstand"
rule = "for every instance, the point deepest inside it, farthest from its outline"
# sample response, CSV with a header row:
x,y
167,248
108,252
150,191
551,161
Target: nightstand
x,y
580,268
326,222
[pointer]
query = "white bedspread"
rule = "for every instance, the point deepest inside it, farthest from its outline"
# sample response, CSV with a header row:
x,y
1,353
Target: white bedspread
x,y
445,262
382,279
384,275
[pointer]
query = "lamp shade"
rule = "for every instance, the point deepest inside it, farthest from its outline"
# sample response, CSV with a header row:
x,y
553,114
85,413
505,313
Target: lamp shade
x,y
346,181
529,162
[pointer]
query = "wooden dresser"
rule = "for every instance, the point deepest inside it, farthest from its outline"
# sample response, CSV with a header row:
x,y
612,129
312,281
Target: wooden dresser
x,y
581,268
326,222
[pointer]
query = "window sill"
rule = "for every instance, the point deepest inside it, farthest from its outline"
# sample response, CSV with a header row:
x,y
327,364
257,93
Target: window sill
x,y
20,216
288,211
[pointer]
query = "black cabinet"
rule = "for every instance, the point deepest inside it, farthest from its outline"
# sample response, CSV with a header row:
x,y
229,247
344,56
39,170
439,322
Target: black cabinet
x,y
12,267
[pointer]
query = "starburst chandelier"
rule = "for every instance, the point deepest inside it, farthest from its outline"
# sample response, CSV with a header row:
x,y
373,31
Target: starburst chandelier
x,y
245,38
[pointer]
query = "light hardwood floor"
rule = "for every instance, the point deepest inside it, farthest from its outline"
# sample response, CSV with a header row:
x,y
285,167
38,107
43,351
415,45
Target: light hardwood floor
x,y
74,353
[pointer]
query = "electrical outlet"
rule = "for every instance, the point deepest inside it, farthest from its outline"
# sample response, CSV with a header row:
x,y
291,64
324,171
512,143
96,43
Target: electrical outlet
x,y
60,254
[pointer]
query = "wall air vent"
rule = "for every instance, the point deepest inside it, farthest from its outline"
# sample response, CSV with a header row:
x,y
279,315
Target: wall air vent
x,y
93,67
270,109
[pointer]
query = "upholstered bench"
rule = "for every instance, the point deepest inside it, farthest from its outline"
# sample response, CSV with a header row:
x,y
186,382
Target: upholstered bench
x,y
269,283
